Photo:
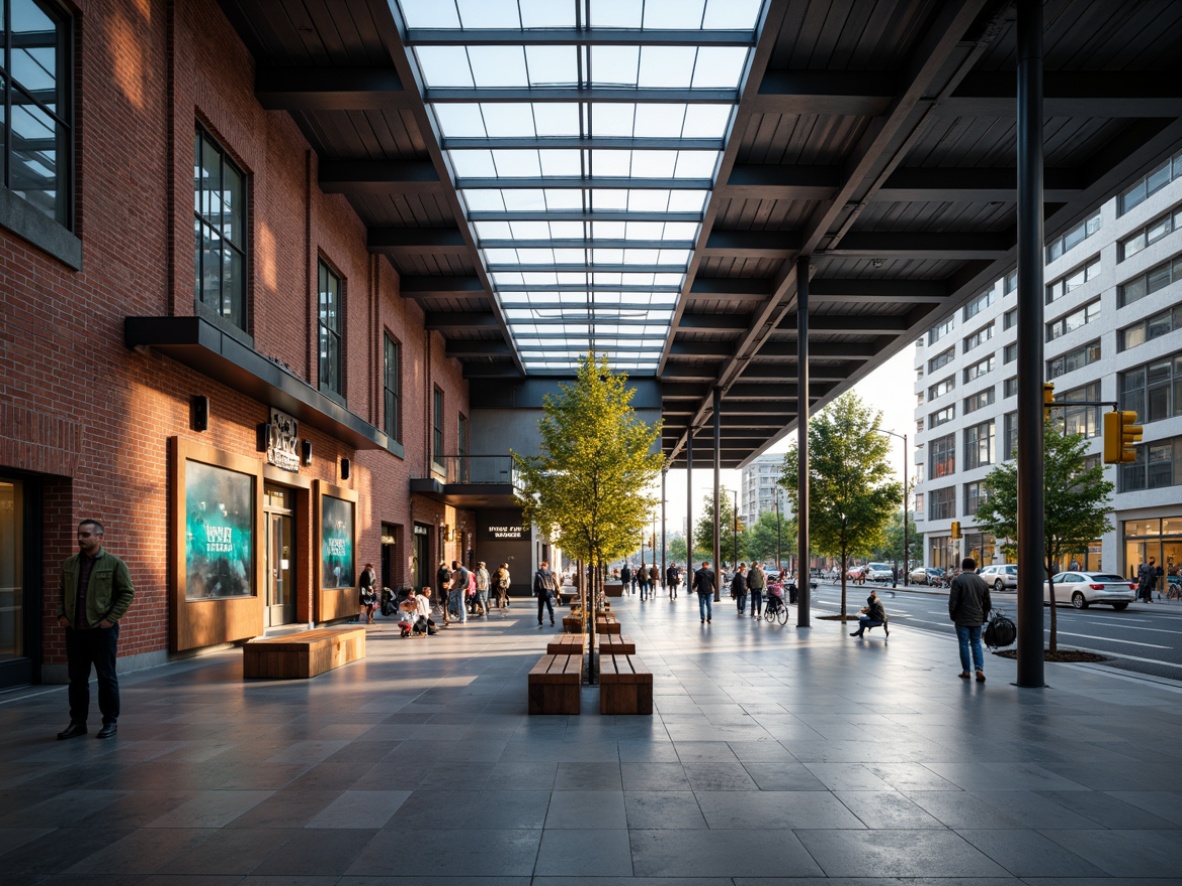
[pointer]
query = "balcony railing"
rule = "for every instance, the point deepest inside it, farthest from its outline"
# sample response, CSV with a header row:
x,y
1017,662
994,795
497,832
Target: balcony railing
x,y
475,469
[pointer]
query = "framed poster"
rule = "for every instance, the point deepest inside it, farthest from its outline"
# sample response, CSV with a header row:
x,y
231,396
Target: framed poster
x,y
336,543
219,532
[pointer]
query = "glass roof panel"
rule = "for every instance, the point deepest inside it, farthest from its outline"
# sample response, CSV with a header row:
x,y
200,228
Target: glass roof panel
x,y
472,164
489,13
706,121
731,15
696,164
613,119
461,120
508,119
560,162
669,67
430,13
552,65
494,66
559,118
616,14
515,163
546,14
614,65
660,120
673,14
719,67
444,66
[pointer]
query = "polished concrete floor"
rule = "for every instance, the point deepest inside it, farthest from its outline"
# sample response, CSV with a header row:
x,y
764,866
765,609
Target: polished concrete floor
x,y
776,755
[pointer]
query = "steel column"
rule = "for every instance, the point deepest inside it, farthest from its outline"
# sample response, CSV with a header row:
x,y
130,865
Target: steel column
x,y
1031,568
803,560
717,503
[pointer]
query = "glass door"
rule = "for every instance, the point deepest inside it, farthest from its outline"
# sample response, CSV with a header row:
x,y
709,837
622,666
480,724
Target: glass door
x,y
280,606
12,591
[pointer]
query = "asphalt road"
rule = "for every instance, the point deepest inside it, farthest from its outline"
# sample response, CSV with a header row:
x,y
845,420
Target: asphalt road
x,y
1145,638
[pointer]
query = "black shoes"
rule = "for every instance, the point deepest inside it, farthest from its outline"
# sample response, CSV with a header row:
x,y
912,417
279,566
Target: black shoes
x,y
72,731
856,634
108,731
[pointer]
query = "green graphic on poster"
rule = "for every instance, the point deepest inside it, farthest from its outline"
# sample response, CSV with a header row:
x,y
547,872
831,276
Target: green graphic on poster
x,y
336,547
219,526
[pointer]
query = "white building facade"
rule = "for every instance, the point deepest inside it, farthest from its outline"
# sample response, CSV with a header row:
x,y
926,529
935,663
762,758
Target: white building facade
x,y
1113,332
760,491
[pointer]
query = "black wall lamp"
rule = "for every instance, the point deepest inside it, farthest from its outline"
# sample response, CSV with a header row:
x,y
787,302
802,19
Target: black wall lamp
x,y
346,468
199,412
306,452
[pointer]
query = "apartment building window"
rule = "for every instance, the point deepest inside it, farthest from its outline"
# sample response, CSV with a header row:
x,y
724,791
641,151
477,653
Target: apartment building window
x,y
1073,280
331,324
220,231
941,359
1158,465
1151,233
978,445
979,400
1149,184
938,332
1150,328
392,385
1010,387
942,503
1073,321
943,386
1083,420
919,399
1064,244
1010,353
942,416
919,426
462,448
1150,282
942,457
36,107
1153,390
1075,359
978,338
919,502
437,428
978,369
974,496
1009,318
1011,282
1010,444
977,305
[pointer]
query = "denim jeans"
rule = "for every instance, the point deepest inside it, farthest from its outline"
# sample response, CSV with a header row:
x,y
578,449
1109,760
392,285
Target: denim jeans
x,y
865,621
705,604
643,589
455,601
741,599
95,647
756,602
482,599
545,601
967,636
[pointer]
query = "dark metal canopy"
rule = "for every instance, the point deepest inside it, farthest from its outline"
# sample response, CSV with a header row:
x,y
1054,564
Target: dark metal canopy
x,y
876,138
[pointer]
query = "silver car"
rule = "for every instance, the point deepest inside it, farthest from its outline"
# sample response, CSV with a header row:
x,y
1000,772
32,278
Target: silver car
x,y
1000,577
1081,589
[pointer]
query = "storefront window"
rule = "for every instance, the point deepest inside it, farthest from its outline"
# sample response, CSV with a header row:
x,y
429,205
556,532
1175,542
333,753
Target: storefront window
x,y
12,623
219,529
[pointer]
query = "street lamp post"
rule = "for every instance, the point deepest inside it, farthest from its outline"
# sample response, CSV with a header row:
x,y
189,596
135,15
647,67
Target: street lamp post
x,y
906,546
779,516
734,531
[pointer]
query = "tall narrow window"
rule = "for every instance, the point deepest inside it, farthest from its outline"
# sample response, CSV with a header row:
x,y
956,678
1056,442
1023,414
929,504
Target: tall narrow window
x,y
462,448
437,423
392,381
219,205
36,138
331,329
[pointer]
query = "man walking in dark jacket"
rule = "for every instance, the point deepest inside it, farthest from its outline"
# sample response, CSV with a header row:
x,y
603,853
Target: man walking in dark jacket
x,y
739,587
968,607
703,586
545,588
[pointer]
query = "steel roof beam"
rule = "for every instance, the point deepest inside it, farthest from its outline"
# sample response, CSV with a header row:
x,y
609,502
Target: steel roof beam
x,y
717,349
839,291
586,244
607,215
851,325
329,89
574,36
417,241
583,182
752,244
442,287
567,94
769,182
973,185
712,321
338,176
777,349
922,245
827,93
722,288
438,320
1087,94
568,268
589,143
478,348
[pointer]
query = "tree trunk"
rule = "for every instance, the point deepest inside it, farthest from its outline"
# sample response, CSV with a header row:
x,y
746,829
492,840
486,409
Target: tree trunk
x,y
1053,645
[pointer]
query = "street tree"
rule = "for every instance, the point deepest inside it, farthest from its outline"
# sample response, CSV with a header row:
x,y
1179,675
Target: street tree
x,y
677,548
763,542
891,550
851,498
587,486
1077,501
704,532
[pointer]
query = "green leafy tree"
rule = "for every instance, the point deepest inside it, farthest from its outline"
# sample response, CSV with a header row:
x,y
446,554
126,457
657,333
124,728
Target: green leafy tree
x,y
851,499
1077,501
761,538
704,532
891,550
586,487
677,549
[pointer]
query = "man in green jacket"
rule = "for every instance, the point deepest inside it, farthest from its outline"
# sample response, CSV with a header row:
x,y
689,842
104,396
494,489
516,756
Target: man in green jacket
x,y
95,593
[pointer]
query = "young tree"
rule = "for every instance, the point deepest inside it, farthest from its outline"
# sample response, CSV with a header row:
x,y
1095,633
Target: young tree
x,y
704,532
851,499
1077,502
677,548
892,548
587,487
762,537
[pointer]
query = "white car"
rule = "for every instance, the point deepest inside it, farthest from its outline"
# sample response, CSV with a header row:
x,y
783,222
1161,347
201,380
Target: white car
x,y
1000,577
879,572
1082,589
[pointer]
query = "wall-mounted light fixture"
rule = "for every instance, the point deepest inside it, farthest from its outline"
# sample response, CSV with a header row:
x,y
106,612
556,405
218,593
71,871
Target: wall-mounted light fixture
x,y
263,436
306,452
199,412
346,468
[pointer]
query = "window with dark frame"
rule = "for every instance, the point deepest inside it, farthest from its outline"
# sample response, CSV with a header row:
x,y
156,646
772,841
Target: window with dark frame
x,y
437,428
978,445
941,503
942,457
220,222
36,132
392,388
331,328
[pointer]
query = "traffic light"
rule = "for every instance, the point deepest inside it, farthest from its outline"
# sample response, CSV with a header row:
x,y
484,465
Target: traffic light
x,y
1121,435
1048,399
955,529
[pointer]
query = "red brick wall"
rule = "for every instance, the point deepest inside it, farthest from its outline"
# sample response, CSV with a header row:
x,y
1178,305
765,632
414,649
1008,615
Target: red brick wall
x,y
77,405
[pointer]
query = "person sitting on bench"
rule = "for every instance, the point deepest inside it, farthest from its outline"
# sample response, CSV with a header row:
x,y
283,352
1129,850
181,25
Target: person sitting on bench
x,y
873,616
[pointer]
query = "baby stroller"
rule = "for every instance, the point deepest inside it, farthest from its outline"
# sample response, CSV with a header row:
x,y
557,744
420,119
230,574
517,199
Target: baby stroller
x,y
775,609
389,602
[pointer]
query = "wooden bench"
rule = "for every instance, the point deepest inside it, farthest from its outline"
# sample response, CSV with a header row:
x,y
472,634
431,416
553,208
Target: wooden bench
x,y
606,624
616,644
555,683
625,687
304,654
567,644
572,624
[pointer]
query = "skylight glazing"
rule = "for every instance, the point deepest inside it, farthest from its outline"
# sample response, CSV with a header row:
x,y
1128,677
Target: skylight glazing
x,y
584,138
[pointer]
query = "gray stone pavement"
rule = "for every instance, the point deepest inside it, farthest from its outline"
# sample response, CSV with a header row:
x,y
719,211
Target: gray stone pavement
x,y
776,755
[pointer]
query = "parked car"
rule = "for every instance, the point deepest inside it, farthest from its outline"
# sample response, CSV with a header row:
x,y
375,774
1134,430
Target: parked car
x,y
1082,589
879,572
1000,577
925,575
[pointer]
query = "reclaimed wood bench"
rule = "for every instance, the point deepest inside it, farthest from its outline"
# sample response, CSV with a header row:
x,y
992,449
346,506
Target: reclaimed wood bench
x,y
304,654
625,686
606,624
554,684
572,624
567,644
616,644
